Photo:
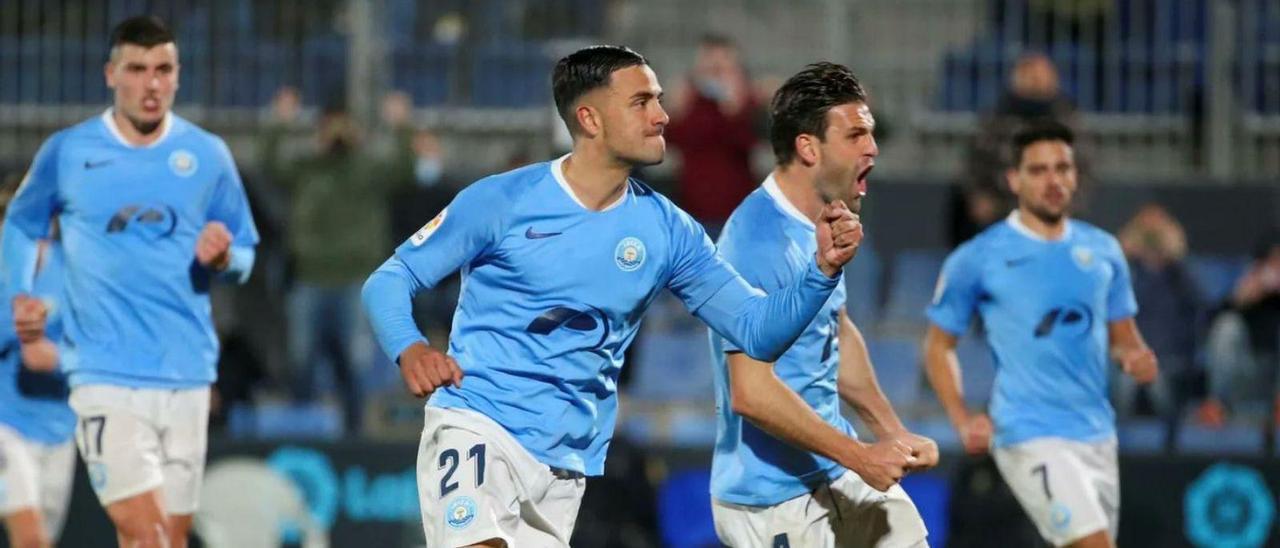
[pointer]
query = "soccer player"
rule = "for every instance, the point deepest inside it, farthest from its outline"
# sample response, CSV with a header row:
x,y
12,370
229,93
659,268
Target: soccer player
x,y
788,468
559,261
1056,303
151,208
37,456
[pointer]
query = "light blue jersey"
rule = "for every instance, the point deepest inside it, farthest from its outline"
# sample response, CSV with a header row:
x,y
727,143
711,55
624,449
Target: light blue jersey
x,y
1045,306
137,302
768,240
552,295
35,404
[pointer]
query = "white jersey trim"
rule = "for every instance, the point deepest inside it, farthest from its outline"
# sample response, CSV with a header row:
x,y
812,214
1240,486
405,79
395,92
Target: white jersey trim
x,y
775,192
110,122
1016,224
557,171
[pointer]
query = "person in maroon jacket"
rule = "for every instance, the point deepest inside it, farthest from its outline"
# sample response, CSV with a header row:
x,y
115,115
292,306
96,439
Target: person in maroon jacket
x,y
713,125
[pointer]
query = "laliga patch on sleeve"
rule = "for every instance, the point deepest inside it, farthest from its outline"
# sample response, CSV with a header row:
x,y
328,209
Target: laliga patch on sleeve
x,y
428,229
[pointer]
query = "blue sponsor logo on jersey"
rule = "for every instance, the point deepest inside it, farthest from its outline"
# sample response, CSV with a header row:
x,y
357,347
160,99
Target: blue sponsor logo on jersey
x,y
629,254
461,512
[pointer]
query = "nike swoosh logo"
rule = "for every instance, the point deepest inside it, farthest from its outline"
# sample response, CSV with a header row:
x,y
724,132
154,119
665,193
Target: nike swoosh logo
x,y
99,163
1016,262
530,234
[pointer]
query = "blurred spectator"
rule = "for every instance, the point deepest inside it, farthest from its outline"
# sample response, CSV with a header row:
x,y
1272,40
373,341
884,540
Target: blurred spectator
x,y
338,233
1034,95
713,125
1244,342
1170,307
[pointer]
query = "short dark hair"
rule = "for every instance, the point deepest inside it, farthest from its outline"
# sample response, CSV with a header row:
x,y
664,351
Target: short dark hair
x,y
1045,130
585,70
800,106
147,31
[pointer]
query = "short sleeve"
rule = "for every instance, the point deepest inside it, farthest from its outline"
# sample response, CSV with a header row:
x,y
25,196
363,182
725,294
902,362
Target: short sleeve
x,y
955,297
1121,303
229,204
466,229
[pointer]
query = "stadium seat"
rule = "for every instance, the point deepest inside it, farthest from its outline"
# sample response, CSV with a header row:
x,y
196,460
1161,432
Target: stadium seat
x,y
511,75
977,370
285,420
425,71
912,279
1231,439
897,365
684,510
862,282
1142,435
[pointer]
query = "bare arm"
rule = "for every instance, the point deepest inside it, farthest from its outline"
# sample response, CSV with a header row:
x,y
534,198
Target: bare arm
x,y
859,388
943,370
858,385
761,397
1130,350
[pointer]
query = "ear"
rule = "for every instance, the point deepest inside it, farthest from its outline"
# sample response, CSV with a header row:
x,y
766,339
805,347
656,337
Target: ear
x,y
589,120
107,73
807,150
1011,177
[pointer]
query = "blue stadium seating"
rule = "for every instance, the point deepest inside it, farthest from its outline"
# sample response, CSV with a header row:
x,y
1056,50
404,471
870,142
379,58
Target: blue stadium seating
x,y
1231,439
912,281
862,282
1142,435
977,370
897,365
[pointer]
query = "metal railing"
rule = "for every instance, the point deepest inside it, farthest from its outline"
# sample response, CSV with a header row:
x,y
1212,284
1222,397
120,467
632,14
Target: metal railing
x,y
1166,88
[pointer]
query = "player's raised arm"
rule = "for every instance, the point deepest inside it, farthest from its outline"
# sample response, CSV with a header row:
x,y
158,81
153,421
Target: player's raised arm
x,y
762,325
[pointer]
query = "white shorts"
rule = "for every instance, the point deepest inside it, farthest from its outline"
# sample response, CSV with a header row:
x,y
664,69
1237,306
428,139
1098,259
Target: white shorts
x,y
134,440
477,483
35,475
1070,489
845,512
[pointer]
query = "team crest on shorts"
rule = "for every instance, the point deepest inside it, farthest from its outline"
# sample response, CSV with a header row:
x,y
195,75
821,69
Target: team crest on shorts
x,y
97,475
629,254
460,513
428,229
1083,257
183,163
1059,516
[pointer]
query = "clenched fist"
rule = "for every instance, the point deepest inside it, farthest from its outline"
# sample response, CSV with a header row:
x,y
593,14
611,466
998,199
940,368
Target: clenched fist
x,y
213,247
839,233
425,369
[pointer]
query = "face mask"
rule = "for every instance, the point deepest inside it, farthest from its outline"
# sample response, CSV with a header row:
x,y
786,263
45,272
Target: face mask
x,y
712,89
428,171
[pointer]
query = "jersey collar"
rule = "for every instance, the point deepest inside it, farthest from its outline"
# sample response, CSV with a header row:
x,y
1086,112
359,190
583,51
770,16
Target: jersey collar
x,y
110,121
1016,224
557,171
775,193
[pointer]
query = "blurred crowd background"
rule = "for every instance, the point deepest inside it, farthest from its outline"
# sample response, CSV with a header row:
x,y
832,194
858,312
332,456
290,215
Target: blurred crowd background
x,y
355,121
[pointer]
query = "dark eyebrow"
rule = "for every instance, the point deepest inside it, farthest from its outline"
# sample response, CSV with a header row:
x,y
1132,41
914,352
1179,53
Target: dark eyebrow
x,y
647,95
